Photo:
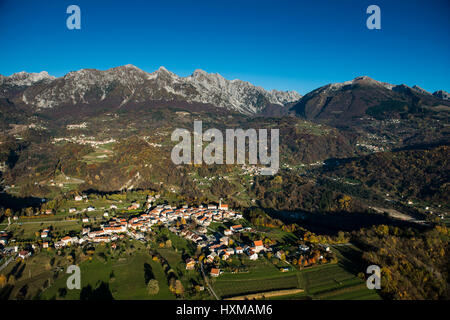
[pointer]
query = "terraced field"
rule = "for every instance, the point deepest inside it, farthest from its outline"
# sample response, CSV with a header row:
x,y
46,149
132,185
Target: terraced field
x,y
262,276
328,282
332,282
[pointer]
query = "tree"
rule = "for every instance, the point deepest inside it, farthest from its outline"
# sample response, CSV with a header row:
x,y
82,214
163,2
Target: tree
x,y
3,280
179,289
344,202
153,287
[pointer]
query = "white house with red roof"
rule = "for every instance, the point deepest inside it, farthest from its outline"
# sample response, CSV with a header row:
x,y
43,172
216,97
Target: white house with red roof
x,y
214,272
258,246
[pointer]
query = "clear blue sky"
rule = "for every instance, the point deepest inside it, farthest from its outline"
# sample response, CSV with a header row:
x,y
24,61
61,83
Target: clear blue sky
x,y
297,45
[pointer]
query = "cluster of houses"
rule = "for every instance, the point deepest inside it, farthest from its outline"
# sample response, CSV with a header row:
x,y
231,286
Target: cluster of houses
x,y
111,231
216,245
137,226
82,139
224,251
252,170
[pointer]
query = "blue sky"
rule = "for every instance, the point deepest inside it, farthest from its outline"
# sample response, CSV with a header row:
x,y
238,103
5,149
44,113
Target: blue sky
x,y
295,45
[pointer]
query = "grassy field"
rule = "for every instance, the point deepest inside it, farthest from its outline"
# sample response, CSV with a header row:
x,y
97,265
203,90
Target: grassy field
x,y
101,154
124,275
33,274
26,231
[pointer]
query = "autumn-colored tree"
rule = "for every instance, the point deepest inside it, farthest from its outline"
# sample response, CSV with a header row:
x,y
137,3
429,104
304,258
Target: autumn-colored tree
x,y
179,289
3,280
344,202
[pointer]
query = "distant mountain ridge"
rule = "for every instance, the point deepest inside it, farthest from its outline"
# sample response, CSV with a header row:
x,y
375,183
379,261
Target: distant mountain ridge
x,y
337,103
120,85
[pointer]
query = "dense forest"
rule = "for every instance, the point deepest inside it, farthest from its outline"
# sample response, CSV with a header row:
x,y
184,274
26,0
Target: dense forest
x,y
415,265
411,174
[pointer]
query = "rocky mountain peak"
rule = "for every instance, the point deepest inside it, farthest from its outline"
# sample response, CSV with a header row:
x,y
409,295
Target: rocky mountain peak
x,y
26,79
441,94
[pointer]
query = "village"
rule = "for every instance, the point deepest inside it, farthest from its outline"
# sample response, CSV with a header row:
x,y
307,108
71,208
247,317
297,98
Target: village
x,y
190,223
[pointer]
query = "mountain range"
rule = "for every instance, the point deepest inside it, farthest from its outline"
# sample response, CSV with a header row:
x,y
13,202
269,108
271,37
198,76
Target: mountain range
x,y
335,103
129,84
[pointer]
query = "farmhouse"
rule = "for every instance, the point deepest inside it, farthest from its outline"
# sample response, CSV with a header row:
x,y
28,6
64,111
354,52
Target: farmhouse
x,y
45,233
236,228
258,246
134,206
190,264
215,272
253,255
68,240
